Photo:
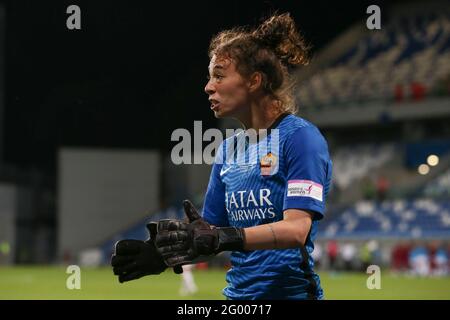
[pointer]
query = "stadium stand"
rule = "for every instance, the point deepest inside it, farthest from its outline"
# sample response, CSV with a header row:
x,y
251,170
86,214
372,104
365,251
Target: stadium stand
x,y
439,187
398,219
409,58
355,162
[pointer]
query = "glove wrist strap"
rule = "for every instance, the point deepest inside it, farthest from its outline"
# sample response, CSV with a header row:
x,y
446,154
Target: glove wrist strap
x,y
230,239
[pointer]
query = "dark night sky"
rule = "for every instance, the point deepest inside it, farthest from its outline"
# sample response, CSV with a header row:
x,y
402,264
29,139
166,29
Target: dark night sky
x,y
133,73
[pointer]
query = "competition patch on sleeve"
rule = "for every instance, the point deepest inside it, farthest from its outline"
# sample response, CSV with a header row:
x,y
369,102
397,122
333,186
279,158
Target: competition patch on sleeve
x,y
305,188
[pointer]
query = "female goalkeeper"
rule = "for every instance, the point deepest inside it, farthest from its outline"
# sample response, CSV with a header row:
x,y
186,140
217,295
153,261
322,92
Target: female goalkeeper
x,y
265,209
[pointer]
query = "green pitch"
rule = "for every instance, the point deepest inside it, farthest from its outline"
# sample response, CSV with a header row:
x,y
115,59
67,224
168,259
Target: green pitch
x,y
50,283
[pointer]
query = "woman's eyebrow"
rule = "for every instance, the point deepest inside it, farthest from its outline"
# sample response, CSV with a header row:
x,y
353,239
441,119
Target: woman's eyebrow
x,y
218,66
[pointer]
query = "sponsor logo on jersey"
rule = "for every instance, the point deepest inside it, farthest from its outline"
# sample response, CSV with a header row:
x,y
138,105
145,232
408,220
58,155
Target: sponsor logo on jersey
x,y
249,205
305,188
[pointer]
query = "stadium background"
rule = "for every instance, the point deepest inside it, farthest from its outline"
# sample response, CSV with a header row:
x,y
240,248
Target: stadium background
x,y
86,118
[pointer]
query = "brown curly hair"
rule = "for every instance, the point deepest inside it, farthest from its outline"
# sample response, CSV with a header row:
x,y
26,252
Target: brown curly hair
x,y
275,48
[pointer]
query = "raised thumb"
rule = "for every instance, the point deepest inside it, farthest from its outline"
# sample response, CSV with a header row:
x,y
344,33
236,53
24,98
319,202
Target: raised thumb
x,y
152,228
190,211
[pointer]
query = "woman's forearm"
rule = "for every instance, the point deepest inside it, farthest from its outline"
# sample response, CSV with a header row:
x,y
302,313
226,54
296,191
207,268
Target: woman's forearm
x,y
288,233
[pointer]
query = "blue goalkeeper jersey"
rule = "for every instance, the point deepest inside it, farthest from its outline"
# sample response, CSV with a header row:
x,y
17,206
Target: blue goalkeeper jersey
x,y
288,168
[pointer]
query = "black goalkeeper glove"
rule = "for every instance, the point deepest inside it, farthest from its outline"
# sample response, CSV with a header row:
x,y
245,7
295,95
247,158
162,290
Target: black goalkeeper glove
x,y
182,242
133,259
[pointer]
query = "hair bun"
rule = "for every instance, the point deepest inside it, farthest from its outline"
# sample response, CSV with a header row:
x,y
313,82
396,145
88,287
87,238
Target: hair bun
x,y
280,34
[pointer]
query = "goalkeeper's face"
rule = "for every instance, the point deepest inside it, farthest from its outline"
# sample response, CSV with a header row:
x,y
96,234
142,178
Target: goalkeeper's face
x,y
227,90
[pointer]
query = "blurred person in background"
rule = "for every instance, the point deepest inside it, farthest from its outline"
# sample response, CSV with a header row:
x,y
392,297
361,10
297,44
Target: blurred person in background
x,y
400,257
370,254
365,257
419,260
348,253
375,252
332,253
440,260
317,255
432,248
188,285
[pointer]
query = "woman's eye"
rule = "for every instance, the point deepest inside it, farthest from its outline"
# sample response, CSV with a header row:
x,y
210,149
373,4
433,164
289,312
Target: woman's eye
x,y
215,76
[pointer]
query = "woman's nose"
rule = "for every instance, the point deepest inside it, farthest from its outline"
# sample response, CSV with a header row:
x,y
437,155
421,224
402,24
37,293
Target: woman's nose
x,y
209,88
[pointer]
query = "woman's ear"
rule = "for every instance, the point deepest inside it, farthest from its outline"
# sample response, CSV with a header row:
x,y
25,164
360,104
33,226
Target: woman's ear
x,y
255,81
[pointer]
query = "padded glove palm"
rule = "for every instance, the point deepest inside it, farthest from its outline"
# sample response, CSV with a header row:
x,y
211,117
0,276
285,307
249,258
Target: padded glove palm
x,y
133,259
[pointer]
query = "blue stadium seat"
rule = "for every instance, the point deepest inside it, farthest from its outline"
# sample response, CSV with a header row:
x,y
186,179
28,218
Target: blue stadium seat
x,y
390,219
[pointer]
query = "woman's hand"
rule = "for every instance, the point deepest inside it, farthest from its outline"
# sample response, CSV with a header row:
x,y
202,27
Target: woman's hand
x,y
182,242
133,259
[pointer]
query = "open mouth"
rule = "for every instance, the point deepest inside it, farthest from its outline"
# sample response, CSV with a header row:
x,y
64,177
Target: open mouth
x,y
214,104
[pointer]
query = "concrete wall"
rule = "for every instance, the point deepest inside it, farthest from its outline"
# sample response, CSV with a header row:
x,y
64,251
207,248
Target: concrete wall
x,y
185,181
8,212
101,192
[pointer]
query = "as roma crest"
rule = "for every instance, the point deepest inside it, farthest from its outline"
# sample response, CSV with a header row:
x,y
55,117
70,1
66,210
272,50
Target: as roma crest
x,y
268,164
